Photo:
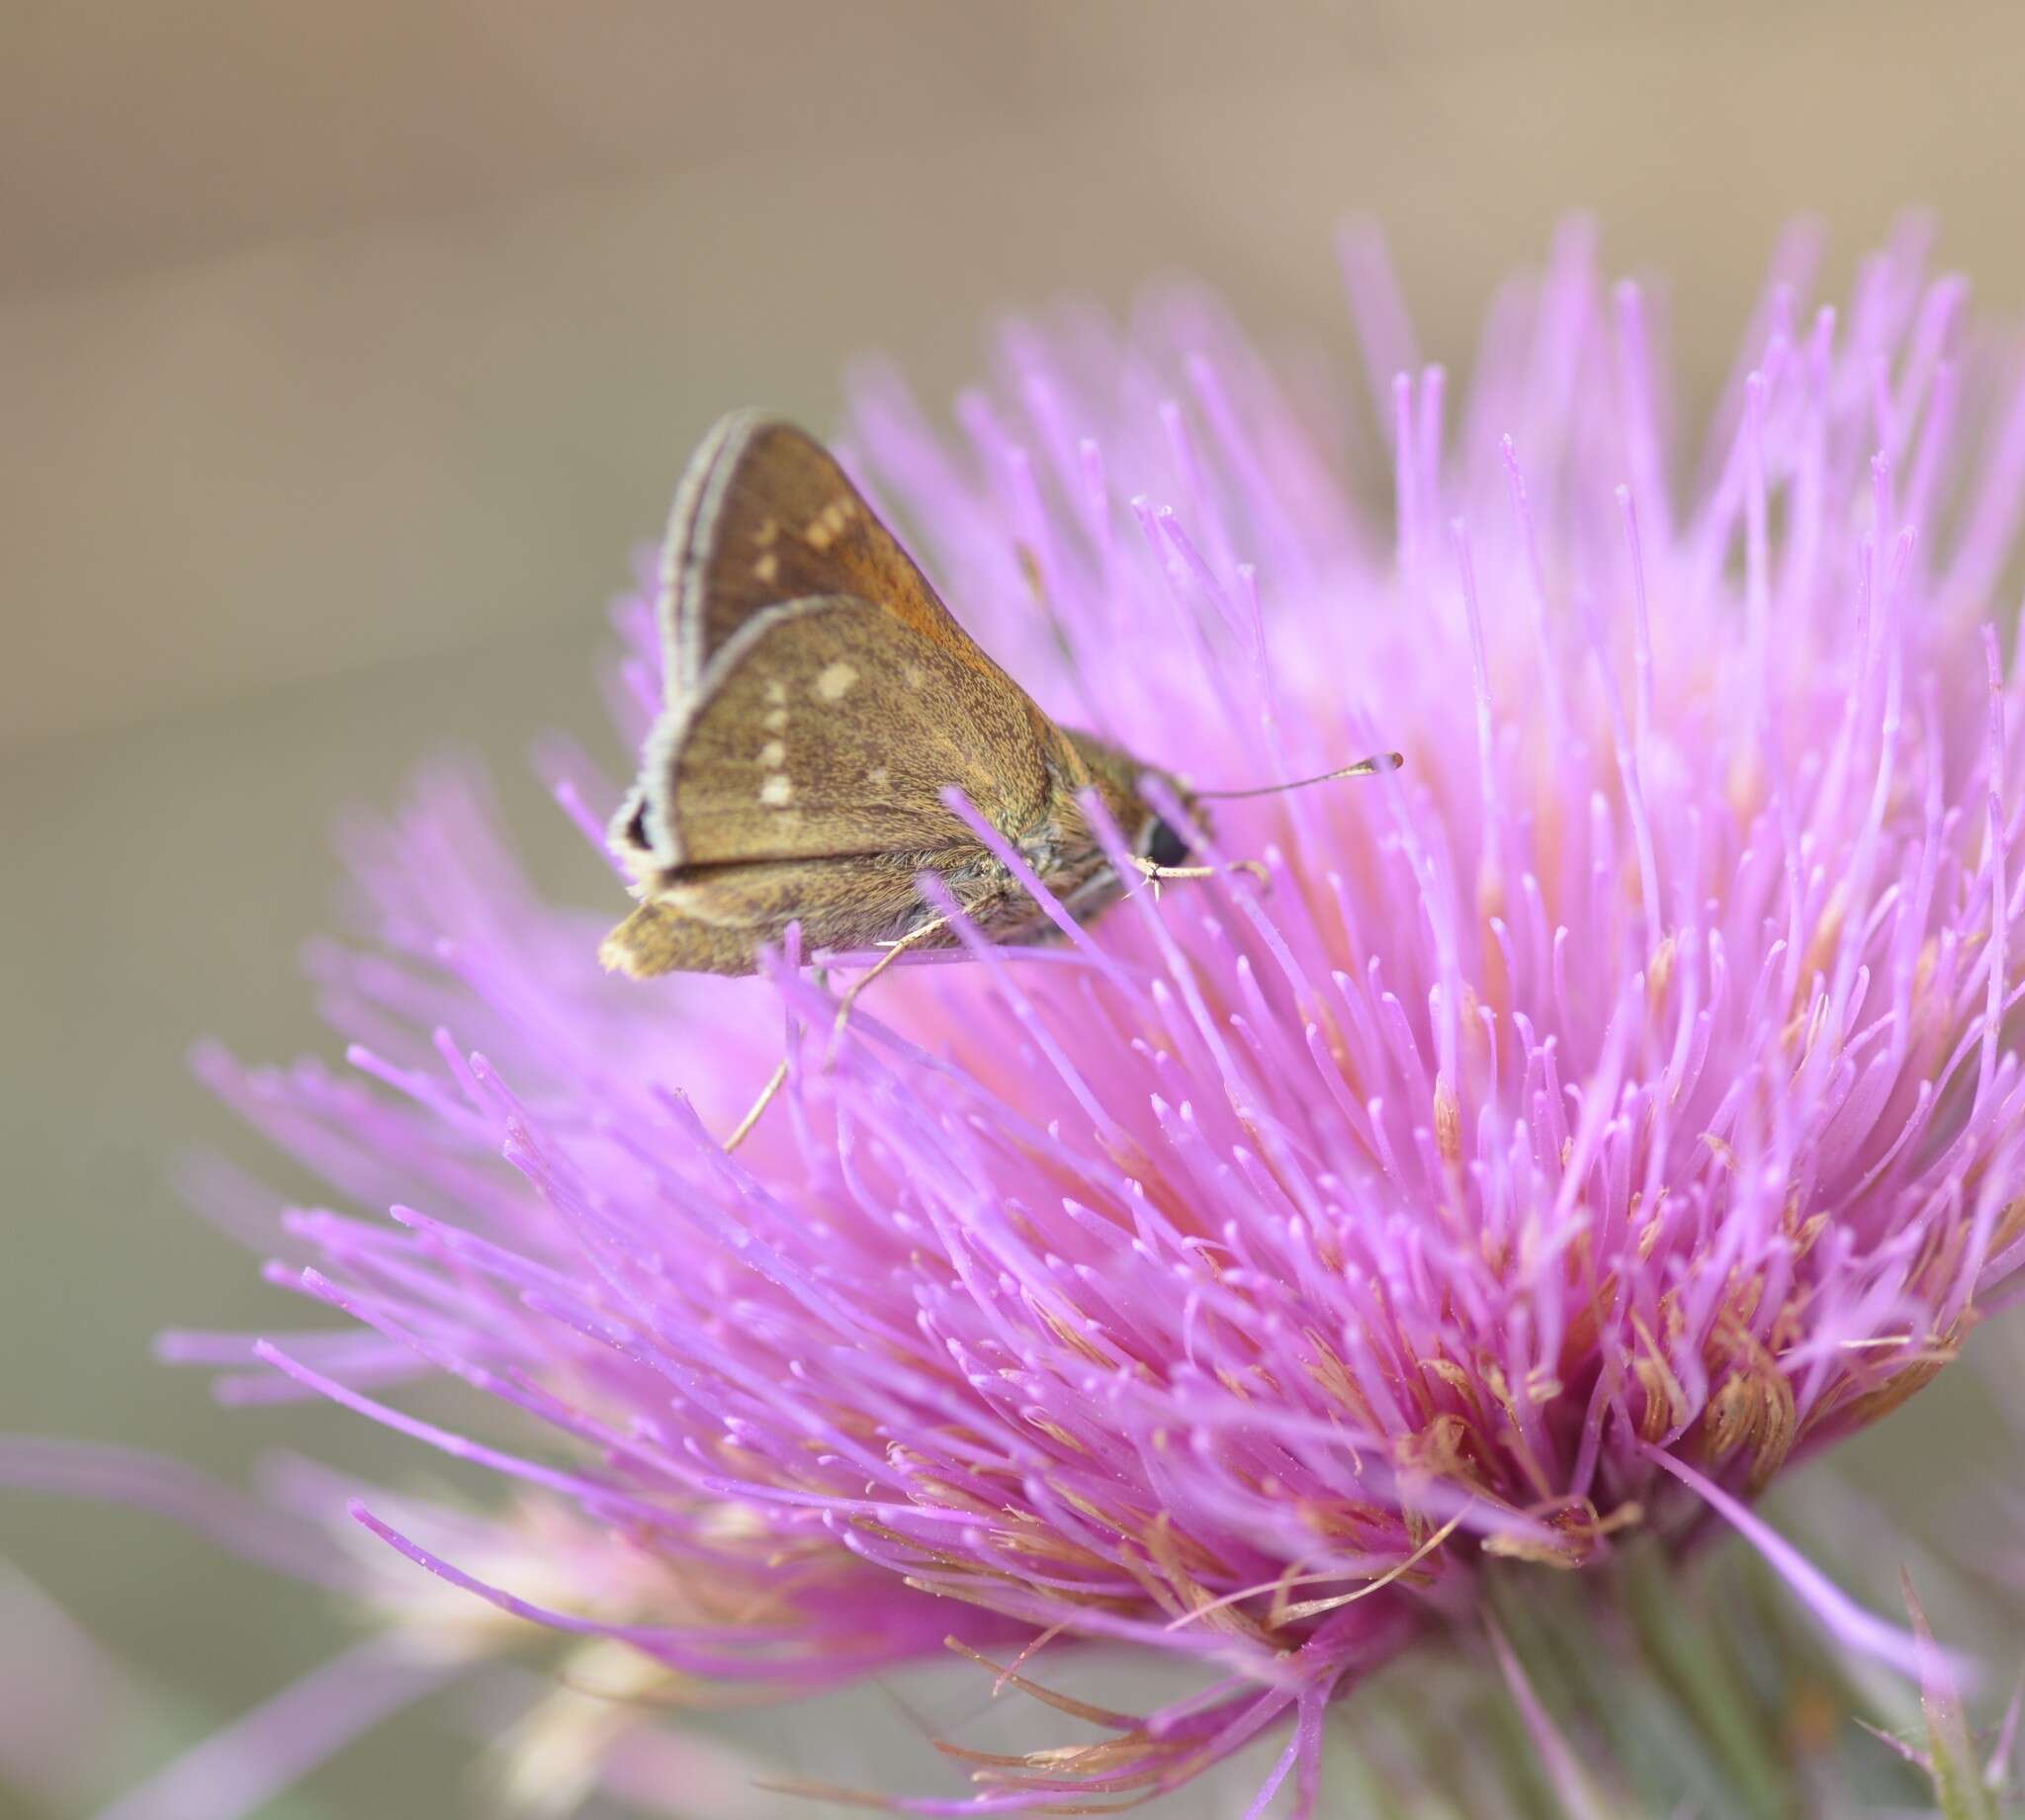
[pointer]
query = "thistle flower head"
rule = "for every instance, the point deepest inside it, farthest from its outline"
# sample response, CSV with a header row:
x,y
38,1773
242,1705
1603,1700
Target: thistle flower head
x,y
1572,1129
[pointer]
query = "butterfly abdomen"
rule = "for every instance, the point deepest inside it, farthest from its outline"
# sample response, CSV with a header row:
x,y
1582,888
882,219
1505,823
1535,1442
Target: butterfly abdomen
x,y
718,918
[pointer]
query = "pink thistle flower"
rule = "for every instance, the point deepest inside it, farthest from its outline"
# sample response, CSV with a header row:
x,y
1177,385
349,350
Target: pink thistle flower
x,y
1579,1127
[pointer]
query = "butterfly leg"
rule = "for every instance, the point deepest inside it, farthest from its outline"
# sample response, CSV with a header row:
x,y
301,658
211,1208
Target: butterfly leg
x,y
778,1080
1148,869
913,938
775,1082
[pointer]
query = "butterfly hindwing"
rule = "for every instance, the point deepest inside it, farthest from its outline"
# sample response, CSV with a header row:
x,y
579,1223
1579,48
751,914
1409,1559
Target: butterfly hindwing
x,y
829,728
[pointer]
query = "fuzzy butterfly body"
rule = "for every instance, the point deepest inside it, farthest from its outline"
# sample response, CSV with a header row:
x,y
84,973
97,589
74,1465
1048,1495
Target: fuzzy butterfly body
x,y
821,702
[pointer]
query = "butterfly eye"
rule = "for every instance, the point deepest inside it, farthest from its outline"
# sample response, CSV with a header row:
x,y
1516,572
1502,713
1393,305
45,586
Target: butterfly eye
x,y
1164,847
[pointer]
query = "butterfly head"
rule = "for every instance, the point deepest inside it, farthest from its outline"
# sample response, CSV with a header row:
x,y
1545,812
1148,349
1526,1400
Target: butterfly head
x,y
1163,844
1120,779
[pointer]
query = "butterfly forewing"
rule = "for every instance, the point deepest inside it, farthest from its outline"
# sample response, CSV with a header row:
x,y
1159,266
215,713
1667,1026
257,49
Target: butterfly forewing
x,y
766,515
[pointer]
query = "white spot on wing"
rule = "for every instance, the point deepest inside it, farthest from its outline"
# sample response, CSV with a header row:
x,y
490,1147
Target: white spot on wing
x,y
834,681
776,694
776,792
773,754
774,719
828,525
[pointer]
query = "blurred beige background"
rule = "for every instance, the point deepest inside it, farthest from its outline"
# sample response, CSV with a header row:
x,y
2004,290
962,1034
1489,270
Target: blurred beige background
x,y
345,352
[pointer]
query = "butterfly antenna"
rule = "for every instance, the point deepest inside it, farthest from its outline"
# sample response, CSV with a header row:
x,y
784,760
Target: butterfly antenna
x,y
1377,765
